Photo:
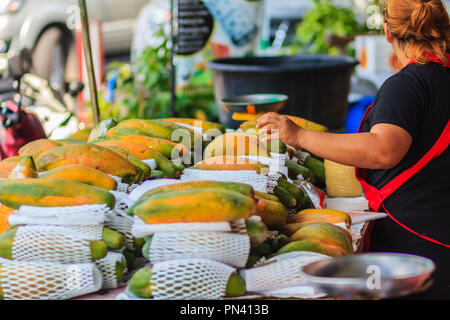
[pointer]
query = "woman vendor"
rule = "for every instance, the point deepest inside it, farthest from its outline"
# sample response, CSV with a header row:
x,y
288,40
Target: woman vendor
x,y
401,152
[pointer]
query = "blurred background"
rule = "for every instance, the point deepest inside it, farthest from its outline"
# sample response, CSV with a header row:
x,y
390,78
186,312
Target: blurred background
x,y
132,42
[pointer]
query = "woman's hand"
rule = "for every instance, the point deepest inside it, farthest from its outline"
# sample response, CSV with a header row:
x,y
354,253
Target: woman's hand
x,y
277,127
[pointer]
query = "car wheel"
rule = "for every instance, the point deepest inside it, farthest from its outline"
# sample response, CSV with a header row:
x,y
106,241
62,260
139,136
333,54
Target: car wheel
x,y
50,57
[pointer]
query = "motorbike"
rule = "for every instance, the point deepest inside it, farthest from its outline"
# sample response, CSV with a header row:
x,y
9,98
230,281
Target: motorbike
x,y
30,109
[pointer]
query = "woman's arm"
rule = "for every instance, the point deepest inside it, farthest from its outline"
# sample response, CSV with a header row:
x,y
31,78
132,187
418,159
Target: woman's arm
x,y
381,148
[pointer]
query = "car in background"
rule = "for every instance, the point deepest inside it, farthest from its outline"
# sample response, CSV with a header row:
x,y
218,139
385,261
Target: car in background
x,y
42,26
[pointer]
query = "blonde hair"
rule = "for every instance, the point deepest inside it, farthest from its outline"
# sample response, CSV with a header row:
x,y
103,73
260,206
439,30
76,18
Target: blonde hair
x,y
422,27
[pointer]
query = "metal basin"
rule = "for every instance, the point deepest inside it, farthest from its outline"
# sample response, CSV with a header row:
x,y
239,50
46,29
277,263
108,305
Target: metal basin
x,y
373,275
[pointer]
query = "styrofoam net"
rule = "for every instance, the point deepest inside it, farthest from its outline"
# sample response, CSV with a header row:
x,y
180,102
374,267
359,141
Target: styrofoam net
x,y
229,248
123,201
47,281
190,279
150,185
51,244
121,187
63,216
259,182
107,267
282,271
92,233
141,229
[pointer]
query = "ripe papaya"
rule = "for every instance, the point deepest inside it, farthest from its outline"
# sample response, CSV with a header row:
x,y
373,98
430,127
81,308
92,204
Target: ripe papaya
x,y
143,170
231,163
313,246
102,128
325,233
37,147
141,284
236,144
52,193
138,150
306,124
89,155
82,174
273,214
163,146
238,187
197,205
150,128
323,215
290,228
25,169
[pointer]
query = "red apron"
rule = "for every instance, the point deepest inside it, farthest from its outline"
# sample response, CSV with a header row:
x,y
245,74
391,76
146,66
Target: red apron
x,y
376,197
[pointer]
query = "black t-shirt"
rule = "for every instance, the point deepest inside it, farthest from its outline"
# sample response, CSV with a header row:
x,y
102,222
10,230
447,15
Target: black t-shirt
x,y
417,99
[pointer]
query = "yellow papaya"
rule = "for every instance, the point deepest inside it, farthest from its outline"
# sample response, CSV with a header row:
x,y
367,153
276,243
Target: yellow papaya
x,y
138,150
82,174
324,215
236,144
82,134
37,147
312,246
204,125
231,163
325,233
89,155
52,193
196,205
273,214
5,212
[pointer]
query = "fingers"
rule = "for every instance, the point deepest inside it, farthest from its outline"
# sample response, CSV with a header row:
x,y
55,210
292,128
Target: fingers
x,y
267,118
271,137
269,129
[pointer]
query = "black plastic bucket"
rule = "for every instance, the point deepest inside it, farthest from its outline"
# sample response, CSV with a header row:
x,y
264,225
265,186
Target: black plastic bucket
x,y
317,85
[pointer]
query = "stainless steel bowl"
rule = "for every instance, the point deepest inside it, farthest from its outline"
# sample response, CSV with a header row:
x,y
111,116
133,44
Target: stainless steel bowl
x,y
372,275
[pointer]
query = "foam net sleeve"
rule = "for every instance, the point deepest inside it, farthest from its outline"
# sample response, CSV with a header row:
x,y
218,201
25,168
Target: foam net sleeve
x,y
229,248
47,281
250,177
76,215
107,267
190,279
122,223
282,271
141,229
92,233
51,244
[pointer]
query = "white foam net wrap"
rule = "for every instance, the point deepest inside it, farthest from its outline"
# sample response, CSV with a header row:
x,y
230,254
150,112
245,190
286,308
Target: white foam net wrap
x,y
50,244
190,279
92,233
259,182
61,216
150,185
276,162
141,229
229,248
47,281
282,271
107,267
